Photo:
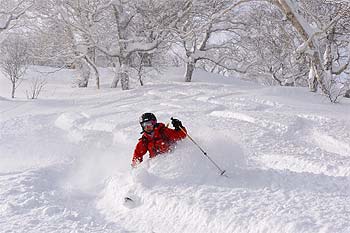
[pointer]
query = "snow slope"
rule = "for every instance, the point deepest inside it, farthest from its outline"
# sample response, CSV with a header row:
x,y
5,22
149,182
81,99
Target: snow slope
x,y
65,158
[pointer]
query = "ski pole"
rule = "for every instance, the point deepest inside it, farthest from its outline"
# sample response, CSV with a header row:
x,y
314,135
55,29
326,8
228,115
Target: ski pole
x,y
205,153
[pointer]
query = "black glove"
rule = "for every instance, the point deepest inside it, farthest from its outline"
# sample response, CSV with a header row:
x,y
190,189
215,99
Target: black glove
x,y
176,123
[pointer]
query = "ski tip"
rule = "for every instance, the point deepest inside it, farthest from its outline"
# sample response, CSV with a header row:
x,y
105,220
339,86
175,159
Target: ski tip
x,y
223,173
128,199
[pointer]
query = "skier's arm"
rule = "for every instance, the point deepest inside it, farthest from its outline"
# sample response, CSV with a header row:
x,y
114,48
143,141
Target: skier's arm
x,y
176,134
139,152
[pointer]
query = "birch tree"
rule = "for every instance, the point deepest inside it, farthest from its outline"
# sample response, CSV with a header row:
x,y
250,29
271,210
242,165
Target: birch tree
x,y
313,30
268,45
138,28
79,23
209,32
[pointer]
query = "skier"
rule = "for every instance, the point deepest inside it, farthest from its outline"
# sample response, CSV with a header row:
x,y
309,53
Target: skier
x,y
156,137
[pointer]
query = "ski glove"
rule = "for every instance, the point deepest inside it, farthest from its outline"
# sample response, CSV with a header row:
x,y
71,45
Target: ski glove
x,y
176,123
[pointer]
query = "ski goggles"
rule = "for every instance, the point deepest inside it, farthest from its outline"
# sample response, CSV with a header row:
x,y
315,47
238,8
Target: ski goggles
x,y
148,123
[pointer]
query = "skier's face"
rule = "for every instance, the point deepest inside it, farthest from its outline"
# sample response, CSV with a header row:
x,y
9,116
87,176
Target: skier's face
x,y
148,126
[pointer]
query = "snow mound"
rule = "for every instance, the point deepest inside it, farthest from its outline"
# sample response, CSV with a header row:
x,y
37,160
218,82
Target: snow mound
x,y
68,121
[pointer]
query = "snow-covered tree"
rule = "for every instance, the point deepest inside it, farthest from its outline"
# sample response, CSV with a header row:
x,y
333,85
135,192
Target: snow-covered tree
x,y
125,41
318,23
268,45
36,87
14,60
79,33
71,29
208,32
11,11
138,30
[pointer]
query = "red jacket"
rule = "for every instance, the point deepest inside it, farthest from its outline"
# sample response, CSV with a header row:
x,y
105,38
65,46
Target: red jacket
x,y
160,141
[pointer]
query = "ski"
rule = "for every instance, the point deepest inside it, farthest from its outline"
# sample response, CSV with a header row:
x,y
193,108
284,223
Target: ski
x,y
128,199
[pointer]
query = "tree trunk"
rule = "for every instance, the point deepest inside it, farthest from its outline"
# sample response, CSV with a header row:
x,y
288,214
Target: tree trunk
x,y
312,81
84,75
304,30
97,80
92,62
274,77
116,77
115,81
124,76
124,80
321,74
347,94
189,71
140,80
94,67
13,89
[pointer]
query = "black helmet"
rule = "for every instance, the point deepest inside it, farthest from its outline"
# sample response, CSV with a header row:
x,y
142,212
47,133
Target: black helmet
x,y
147,117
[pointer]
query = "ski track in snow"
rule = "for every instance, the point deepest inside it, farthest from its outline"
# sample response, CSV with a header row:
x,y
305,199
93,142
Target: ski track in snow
x,y
288,165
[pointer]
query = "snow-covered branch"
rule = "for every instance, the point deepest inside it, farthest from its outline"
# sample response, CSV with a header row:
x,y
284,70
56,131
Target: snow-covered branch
x,y
14,13
221,63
